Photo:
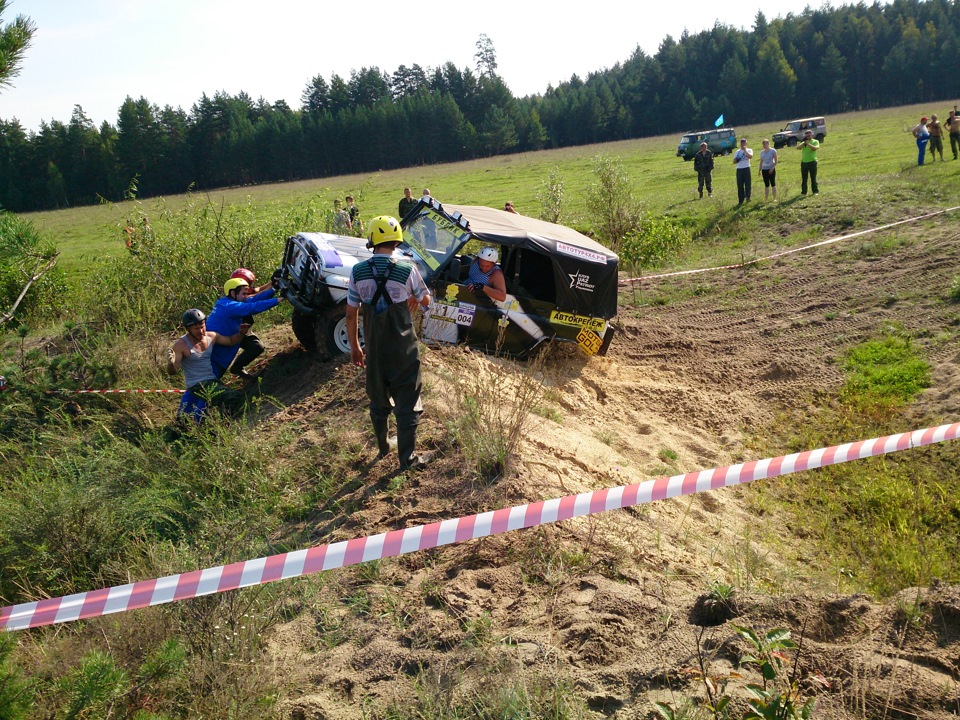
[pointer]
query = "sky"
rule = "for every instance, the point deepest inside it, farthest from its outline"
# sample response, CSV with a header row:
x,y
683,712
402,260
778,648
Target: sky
x,y
95,53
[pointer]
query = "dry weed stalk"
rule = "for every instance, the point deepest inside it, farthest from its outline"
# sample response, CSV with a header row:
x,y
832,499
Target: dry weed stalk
x,y
488,401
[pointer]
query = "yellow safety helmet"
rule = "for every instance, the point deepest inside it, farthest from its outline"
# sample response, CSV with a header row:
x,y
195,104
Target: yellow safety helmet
x,y
233,284
384,229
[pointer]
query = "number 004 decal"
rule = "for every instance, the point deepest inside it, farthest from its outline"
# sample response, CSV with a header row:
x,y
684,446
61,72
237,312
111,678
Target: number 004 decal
x,y
589,341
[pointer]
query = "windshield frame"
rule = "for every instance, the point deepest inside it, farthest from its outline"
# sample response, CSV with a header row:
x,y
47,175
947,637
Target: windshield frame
x,y
429,223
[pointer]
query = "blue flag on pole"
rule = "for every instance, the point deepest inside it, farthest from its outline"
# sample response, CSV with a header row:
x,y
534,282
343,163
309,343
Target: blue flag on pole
x,y
719,121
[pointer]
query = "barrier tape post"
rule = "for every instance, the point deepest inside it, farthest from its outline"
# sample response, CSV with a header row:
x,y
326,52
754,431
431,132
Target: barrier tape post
x,y
298,563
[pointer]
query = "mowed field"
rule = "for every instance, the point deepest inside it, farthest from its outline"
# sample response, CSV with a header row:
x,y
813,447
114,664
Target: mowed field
x,y
864,159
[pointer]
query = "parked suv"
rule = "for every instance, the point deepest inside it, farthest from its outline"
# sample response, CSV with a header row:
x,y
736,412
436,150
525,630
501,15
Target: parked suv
x,y
561,285
720,142
795,129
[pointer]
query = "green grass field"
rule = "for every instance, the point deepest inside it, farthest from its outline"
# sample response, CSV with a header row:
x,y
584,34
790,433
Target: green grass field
x,y
865,160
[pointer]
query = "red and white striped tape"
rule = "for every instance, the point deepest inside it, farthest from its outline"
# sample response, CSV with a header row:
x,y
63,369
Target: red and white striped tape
x,y
788,252
423,537
111,392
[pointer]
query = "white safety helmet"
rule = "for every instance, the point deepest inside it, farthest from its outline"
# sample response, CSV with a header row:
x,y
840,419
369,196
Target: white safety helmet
x,y
489,254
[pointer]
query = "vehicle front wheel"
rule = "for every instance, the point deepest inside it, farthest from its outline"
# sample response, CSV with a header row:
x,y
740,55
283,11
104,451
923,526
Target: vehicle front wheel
x,y
792,142
324,333
338,340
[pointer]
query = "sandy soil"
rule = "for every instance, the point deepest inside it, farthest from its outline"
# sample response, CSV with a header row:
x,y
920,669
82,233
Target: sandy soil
x,y
614,603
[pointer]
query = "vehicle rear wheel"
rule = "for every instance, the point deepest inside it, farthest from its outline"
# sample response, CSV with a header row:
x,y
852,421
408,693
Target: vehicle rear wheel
x,y
820,137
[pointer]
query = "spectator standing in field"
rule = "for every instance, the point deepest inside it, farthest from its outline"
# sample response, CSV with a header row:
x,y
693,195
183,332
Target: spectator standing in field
x,y
808,163
768,169
388,289
508,207
356,224
194,352
407,203
922,135
936,138
703,164
741,159
952,126
341,219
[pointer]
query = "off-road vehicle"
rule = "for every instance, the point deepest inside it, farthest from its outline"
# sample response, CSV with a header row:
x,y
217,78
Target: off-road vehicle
x,y
721,141
793,131
561,285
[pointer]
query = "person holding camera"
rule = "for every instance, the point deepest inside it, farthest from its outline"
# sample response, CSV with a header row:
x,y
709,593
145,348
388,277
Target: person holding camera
x,y
808,163
742,160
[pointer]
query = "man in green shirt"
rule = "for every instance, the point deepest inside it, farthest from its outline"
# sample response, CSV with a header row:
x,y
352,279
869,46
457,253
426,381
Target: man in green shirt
x,y
808,163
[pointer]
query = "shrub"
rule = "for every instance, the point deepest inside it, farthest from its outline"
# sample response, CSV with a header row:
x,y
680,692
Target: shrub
x,y
550,197
610,202
178,259
652,242
24,253
14,690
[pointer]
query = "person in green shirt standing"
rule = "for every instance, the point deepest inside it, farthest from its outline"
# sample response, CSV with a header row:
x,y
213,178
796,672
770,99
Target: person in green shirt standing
x,y
808,163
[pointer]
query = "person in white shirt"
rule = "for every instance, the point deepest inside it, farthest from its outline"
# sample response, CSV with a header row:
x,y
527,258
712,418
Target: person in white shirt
x,y
741,159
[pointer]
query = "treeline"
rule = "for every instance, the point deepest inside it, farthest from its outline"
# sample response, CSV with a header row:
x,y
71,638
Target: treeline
x,y
821,61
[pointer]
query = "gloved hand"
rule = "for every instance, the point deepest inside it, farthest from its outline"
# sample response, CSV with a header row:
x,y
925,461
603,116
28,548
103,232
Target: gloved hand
x,y
275,278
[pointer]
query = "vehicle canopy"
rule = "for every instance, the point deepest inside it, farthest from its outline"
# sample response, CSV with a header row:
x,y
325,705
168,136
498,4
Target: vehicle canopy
x,y
568,269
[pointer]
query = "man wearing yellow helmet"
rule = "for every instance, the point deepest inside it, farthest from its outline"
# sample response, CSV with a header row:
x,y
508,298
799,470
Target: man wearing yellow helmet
x,y
236,306
388,289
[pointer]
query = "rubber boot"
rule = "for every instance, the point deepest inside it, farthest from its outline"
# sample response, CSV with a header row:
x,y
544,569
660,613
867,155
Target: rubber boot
x,y
380,432
406,446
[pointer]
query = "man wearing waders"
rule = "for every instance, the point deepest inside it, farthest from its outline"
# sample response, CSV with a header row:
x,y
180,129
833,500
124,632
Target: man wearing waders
x,y
388,289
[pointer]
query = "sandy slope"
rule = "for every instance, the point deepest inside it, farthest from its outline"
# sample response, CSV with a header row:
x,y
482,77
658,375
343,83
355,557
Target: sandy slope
x,y
610,602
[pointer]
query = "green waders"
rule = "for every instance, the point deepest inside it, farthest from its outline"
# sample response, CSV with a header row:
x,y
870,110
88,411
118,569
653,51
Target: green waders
x,y
393,374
